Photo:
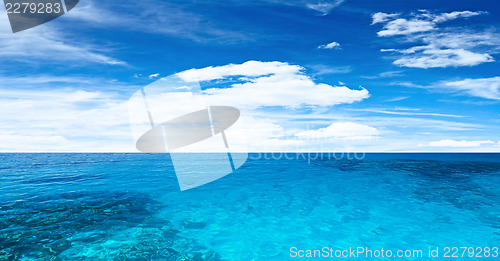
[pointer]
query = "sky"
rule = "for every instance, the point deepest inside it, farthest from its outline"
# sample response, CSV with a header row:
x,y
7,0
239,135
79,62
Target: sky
x,y
307,75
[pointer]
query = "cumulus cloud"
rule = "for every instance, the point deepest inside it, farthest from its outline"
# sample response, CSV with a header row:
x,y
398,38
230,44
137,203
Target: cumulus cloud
x,y
250,69
271,84
460,143
437,46
254,87
329,45
488,88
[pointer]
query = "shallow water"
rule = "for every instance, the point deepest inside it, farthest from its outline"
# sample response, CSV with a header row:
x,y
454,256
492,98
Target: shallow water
x,y
129,207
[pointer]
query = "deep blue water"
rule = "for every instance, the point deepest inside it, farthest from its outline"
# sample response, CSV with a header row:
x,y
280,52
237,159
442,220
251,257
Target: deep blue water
x,y
129,206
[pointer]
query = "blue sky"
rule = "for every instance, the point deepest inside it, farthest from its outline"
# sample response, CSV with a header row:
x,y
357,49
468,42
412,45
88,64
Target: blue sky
x,y
346,75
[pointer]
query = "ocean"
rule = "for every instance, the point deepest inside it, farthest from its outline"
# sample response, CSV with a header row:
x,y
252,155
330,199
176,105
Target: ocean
x,y
77,206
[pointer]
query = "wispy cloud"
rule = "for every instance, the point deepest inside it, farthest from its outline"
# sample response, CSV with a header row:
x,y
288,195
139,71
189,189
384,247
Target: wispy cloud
x,y
402,27
179,20
388,74
451,16
165,19
321,69
436,46
331,45
488,88
398,98
42,42
420,22
322,6
400,112
46,82
431,57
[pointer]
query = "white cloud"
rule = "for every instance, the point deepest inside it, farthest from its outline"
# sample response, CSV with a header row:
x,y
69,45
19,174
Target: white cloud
x,y
341,130
403,112
456,38
488,88
420,22
285,91
83,120
454,15
329,45
431,57
442,47
271,84
154,75
63,120
395,99
402,26
250,69
382,17
460,143
40,120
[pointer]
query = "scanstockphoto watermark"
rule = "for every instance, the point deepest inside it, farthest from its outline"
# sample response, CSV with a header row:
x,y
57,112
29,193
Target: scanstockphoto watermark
x,y
454,252
309,156
354,252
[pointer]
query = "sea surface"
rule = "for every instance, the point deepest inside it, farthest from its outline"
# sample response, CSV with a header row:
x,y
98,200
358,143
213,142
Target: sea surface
x,y
129,207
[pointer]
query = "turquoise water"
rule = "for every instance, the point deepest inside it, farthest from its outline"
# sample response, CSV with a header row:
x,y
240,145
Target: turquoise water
x,y
129,207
